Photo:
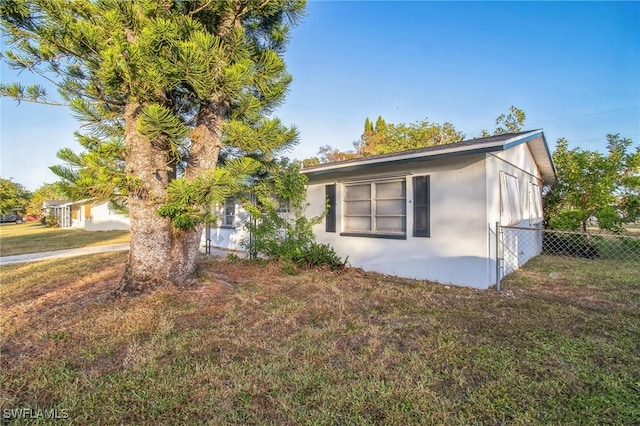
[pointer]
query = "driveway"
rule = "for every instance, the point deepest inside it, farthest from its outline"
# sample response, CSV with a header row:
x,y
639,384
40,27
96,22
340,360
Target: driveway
x,y
57,254
48,255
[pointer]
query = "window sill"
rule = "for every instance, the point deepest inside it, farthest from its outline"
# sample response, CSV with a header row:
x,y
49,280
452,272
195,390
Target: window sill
x,y
224,227
371,235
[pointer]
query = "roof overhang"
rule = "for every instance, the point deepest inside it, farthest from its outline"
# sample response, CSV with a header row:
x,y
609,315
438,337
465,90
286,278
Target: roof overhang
x,y
53,203
535,139
541,155
67,203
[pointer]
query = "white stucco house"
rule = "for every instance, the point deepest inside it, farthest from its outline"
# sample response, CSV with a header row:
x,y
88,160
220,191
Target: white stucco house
x,y
432,213
86,214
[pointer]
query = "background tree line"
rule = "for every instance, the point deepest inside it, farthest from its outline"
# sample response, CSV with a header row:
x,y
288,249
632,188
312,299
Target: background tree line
x,y
591,186
14,197
387,138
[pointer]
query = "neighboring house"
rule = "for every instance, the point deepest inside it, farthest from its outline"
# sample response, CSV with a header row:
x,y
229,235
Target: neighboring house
x,y
431,213
60,210
85,214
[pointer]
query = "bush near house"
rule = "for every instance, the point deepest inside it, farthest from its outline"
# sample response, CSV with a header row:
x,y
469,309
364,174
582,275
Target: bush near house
x,y
285,234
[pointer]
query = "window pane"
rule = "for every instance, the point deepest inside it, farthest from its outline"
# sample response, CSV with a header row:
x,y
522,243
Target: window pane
x,y
358,207
390,190
358,192
391,207
226,212
283,205
229,207
358,224
390,224
384,200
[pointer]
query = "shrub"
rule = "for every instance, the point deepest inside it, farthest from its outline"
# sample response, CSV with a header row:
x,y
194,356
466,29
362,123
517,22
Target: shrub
x,y
319,255
285,234
609,219
290,238
577,245
50,220
568,220
232,257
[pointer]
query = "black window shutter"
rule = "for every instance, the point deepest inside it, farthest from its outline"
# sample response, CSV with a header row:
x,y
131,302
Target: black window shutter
x,y
330,220
421,214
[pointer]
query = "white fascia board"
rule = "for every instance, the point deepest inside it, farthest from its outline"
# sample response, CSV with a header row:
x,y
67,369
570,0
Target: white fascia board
x,y
540,151
452,149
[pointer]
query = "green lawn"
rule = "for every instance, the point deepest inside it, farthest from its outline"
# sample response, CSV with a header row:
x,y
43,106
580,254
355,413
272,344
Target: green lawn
x,y
250,344
33,237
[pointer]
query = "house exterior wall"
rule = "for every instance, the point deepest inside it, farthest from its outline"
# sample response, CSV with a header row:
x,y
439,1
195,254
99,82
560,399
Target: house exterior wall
x,y
78,219
456,251
102,218
228,238
469,193
91,217
518,246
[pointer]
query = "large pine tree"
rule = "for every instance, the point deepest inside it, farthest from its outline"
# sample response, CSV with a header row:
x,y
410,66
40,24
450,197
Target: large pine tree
x,y
168,87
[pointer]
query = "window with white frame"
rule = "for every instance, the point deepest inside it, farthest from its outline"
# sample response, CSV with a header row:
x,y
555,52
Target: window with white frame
x,y
283,205
375,209
226,213
535,204
510,205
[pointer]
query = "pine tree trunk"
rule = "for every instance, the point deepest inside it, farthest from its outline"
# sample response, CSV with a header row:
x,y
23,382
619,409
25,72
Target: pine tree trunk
x,y
159,253
206,140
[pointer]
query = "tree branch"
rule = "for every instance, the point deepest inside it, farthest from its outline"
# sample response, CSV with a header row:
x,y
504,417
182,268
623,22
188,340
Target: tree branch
x,y
231,20
35,101
204,6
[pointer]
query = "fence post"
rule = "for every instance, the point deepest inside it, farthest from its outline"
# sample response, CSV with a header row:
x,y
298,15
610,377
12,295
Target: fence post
x,y
207,237
253,199
498,258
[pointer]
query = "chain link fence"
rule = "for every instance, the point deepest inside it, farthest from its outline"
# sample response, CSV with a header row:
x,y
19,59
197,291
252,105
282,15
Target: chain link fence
x,y
517,245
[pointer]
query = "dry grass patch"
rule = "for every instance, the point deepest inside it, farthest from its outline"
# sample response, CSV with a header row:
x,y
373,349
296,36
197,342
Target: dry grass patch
x,y
250,344
34,237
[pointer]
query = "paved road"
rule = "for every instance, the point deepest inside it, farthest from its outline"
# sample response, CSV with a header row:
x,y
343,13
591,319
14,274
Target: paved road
x,y
48,255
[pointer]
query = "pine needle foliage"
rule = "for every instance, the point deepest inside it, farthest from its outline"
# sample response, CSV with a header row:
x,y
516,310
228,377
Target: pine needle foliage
x,y
192,73
96,173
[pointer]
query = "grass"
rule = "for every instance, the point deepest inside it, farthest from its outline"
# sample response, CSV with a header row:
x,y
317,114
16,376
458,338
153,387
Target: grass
x,y
33,237
617,247
250,344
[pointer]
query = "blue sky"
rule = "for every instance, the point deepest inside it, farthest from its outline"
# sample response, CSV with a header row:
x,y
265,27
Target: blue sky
x,y
573,67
